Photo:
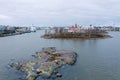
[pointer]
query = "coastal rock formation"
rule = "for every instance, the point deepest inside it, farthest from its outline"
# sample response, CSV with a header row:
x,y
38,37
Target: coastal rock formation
x,y
47,61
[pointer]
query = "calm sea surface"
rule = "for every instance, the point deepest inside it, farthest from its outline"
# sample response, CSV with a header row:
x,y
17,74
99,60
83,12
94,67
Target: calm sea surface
x,y
98,59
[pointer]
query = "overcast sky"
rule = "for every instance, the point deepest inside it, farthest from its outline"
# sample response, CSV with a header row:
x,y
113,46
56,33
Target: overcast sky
x,y
59,12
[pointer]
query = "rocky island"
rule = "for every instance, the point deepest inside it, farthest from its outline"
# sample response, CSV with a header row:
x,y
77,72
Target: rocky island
x,y
46,63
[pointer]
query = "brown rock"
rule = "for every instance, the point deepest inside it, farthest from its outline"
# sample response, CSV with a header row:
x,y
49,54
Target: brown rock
x,y
58,75
38,71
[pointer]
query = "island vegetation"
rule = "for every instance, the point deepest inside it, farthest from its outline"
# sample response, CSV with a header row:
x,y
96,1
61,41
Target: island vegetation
x,y
75,32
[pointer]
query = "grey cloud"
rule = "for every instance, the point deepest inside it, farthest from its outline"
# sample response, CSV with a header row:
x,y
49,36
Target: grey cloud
x,y
59,12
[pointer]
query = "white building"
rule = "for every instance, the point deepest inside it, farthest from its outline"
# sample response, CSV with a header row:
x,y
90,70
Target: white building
x,y
33,29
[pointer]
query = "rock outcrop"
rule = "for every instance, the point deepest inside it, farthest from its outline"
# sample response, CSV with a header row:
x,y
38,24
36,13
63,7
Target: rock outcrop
x,y
47,61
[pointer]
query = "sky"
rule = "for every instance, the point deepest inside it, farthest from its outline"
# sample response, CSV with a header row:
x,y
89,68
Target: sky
x,y
59,12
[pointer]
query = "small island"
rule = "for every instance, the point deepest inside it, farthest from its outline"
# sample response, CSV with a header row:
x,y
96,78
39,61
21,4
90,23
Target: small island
x,y
76,35
76,32
47,62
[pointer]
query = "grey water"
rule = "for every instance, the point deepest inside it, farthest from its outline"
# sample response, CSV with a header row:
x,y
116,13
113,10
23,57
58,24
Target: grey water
x,y
98,59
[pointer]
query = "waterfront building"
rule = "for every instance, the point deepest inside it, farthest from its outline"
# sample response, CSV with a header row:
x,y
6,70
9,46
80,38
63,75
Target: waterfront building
x,y
32,29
